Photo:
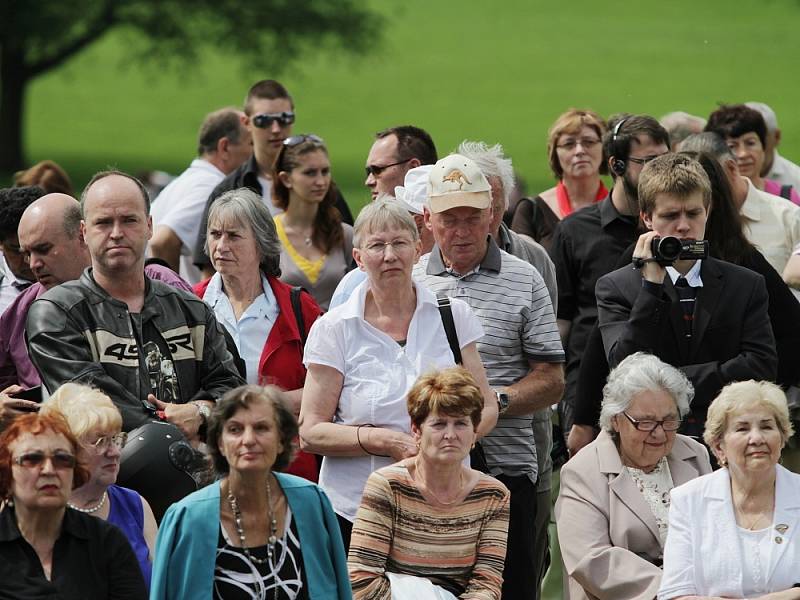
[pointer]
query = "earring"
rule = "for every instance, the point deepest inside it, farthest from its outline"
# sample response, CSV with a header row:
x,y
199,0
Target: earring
x,y
723,462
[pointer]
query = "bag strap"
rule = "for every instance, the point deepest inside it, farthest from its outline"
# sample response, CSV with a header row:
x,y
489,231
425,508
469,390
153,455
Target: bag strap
x,y
446,313
297,308
786,192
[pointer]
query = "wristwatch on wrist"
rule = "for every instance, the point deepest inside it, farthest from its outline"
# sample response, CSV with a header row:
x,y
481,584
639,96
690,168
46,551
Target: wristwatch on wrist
x,y
502,401
203,411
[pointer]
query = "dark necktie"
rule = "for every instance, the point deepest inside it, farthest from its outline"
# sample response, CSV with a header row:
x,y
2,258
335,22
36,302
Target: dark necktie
x,y
686,295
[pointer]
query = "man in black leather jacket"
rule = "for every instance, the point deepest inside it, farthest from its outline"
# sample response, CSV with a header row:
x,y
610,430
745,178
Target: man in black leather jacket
x,y
150,347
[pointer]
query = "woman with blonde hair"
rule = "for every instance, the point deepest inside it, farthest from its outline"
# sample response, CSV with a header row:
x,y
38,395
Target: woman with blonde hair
x,y
735,533
97,424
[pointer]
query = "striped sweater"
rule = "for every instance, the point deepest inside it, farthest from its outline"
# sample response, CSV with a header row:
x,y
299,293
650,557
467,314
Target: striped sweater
x,y
461,548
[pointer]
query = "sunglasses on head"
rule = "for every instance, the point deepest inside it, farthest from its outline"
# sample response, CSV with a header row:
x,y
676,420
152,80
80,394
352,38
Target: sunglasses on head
x,y
294,140
60,460
265,120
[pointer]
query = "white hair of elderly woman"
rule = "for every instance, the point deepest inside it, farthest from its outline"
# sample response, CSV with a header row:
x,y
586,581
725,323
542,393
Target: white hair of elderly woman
x,y
641,372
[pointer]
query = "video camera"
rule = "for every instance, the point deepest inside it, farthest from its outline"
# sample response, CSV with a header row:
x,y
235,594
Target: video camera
x,y
666,250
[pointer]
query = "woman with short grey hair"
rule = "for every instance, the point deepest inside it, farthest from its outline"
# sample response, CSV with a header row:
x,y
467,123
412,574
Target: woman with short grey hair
x,y
262,314
364,355
613,504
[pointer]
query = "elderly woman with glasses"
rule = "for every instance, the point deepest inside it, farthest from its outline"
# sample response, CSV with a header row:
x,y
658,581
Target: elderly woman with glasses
x,y
316,246
97,424
47,549
364,356
614,499
575,154
736,532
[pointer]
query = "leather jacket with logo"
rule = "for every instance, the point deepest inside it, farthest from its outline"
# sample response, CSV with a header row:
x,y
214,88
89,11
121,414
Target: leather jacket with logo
x,y
78,332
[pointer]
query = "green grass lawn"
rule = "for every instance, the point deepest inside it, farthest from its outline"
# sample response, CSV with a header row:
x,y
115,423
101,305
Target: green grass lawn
x,y
499,71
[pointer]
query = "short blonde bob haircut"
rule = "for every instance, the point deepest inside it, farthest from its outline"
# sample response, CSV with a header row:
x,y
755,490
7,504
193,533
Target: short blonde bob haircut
x,y
85,408
746,395
451,392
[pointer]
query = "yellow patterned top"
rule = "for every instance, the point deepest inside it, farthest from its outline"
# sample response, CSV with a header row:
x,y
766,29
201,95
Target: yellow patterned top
x,y
310,269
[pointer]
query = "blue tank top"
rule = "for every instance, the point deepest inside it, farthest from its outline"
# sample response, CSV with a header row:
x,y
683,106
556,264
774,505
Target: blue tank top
x,y
127,514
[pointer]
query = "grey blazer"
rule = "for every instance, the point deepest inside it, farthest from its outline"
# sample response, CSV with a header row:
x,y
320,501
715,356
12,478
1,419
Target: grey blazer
x,y
608,535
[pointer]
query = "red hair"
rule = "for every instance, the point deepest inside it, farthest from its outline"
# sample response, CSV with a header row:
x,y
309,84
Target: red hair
x,y
36,424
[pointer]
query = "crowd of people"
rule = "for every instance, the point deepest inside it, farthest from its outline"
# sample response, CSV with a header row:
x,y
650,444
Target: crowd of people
x,y
236,390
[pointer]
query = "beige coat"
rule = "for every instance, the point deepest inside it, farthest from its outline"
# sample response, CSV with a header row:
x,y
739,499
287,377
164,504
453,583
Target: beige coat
x,y
608,535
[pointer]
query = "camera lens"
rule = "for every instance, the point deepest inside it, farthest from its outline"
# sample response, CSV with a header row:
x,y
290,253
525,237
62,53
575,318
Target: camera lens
x,y
667,248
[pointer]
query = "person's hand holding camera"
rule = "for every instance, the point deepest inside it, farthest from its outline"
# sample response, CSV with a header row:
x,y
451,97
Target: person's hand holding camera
x,y
651,270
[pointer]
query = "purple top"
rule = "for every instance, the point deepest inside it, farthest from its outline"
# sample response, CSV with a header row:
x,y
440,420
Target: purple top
x,y
128,515
15,365
774,187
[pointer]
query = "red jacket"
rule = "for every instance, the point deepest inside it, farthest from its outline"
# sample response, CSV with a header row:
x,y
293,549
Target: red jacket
x,y
281,361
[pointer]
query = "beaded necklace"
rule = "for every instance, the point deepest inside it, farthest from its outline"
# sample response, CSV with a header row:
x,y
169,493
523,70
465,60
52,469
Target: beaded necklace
x,y
91,509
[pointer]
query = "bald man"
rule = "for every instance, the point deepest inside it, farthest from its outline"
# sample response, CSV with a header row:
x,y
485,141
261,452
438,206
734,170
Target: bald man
x,y
148,346
49,235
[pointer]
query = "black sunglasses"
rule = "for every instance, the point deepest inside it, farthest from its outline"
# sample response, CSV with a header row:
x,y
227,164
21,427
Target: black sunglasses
x,y
60,460
376,170
265,120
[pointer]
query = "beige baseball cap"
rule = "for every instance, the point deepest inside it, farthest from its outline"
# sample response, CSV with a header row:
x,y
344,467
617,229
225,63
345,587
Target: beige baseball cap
x,y
457,181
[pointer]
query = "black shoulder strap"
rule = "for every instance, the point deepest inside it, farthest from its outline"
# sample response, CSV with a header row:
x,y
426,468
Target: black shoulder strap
x,y
786,191
449,326
297,308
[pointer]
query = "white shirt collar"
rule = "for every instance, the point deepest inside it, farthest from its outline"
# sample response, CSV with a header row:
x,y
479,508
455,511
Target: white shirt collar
x,y
215,293
692,277
354,307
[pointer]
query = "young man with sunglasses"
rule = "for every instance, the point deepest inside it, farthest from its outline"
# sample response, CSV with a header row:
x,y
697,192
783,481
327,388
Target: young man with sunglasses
x,y
269,111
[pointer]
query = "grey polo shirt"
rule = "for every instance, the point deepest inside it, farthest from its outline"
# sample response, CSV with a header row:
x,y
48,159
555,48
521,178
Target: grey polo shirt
x,y
511,299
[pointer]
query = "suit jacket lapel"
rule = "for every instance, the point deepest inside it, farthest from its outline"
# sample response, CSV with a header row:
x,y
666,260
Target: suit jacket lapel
x,y
623,485
706,302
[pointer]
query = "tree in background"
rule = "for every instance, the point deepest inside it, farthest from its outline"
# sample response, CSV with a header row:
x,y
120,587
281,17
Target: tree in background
x,y
39,35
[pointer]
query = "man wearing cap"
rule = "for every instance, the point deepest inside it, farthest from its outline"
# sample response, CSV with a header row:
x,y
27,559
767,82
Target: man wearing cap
x,y
395,152
521,350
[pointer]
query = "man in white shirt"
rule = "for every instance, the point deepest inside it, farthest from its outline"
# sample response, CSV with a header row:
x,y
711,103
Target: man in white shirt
x,y
775,166
223,144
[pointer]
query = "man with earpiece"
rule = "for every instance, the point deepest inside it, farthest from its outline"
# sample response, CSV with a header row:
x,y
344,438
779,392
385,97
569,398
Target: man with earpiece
x,y
587,244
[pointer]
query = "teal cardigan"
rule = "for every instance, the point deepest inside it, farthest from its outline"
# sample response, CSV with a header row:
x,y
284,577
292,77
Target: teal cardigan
x,y
186,546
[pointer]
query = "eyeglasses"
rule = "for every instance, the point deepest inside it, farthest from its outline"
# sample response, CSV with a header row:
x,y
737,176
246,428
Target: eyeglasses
x,y
586,143
59,460
376,170
265,120
377,249
650,426
643,161
294,140
104,442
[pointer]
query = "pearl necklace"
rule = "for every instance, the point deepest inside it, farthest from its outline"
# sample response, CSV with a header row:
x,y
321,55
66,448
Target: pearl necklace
x,y
237,519
91,509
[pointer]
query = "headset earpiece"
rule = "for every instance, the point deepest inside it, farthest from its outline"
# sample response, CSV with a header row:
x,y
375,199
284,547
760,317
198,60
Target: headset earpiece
x,y
618,167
